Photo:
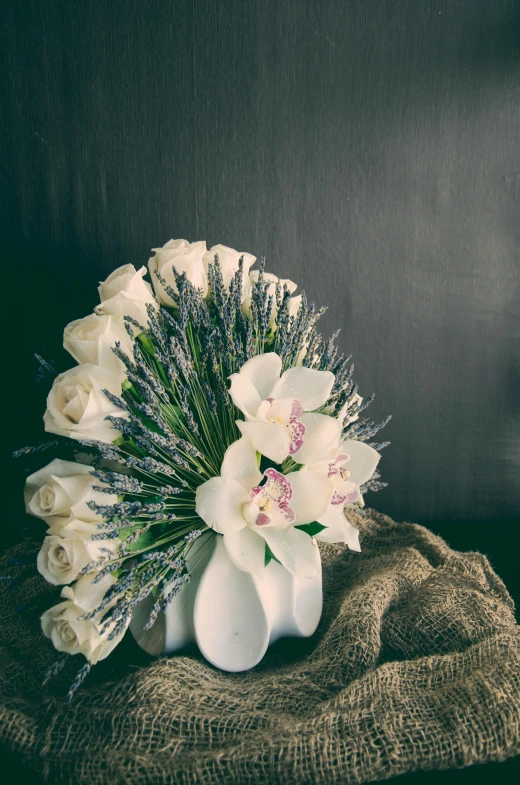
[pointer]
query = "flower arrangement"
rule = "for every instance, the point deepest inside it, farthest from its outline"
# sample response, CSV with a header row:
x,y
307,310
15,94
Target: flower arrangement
x,y
206,407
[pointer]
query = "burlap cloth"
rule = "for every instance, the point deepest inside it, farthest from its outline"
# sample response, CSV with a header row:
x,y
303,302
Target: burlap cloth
x,y
415,665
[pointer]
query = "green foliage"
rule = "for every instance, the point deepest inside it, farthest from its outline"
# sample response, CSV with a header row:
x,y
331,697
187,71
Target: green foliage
x,y
312,529
269,556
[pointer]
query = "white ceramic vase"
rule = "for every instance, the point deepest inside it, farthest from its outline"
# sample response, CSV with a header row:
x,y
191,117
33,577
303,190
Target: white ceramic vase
x,y
232,616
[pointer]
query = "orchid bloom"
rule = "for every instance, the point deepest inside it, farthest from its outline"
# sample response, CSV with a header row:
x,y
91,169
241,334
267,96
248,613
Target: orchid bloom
x,y
353,465
279,409
250,514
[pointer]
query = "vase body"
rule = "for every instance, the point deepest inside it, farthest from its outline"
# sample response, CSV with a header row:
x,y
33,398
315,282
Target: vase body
x,y
231,615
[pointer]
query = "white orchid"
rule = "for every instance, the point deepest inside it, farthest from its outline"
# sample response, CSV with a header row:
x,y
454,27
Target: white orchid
x,y
352,465
250,514
280,420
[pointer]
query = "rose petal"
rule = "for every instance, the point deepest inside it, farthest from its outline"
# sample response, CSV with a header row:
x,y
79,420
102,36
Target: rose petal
x,y
49,476
88,595
119,279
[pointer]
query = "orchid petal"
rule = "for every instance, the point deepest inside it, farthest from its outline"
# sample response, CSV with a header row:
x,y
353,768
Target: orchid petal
x,y
240,464
339,529
244,395
345,490
283,410
311,495
219,503
363,460
268,438
311,387
263,411
264,371
334,519
352,537
295,550
322,433
246,549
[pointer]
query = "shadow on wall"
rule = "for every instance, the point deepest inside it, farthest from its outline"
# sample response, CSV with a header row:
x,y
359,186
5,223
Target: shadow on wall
x,y
368,155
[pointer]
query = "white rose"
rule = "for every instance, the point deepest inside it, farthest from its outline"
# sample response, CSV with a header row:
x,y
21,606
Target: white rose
x,y
228,260
61,559
77,527
61,490
124,293
182,256
69,633
91,339
77,405
272,280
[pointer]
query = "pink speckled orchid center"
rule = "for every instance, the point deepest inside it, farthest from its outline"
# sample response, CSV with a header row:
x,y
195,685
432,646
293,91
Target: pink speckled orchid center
x,y
344,491
269,503
286,412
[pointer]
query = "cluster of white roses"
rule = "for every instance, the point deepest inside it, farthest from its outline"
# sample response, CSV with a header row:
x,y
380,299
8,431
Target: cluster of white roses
x,y
59,494
281,422
193,259
76,405
248,508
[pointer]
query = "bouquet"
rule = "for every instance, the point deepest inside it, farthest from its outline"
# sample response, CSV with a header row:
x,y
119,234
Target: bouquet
x,y
205,407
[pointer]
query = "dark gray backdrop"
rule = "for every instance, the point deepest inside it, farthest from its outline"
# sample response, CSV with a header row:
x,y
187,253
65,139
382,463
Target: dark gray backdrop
x,y
369,150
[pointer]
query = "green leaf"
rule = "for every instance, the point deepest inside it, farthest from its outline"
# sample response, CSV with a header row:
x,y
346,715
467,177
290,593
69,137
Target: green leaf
x,y
311,528
134,446
129,388
146,540
267,463
269,555
146,343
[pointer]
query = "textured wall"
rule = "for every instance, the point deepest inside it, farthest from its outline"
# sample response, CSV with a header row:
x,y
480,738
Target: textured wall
x,y
369,150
